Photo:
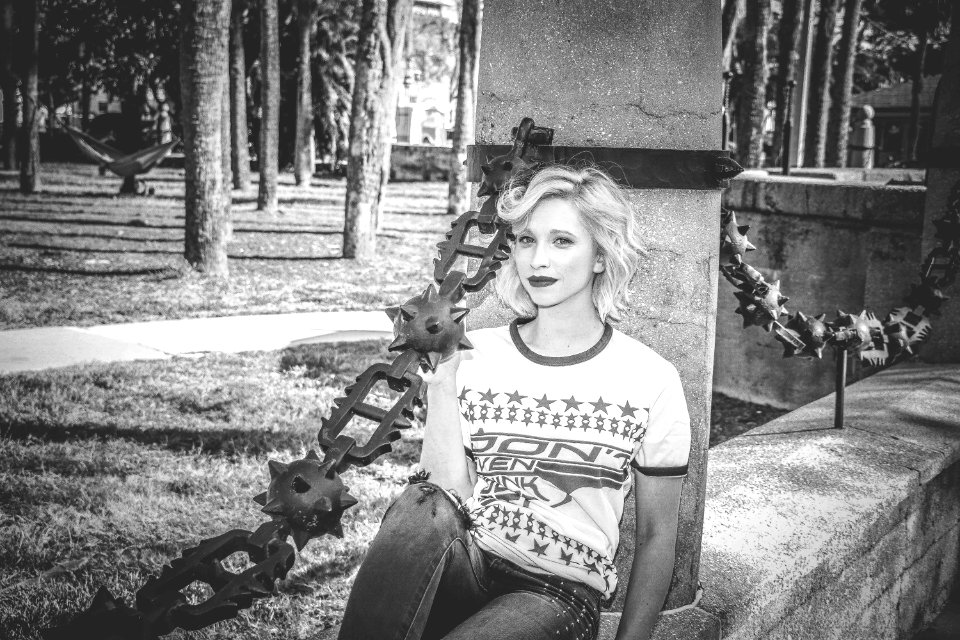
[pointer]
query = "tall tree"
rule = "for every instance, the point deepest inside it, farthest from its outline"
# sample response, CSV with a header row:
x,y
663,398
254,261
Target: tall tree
x,y
204,87
305,148
239,137
815,140
8,85
28,15
752,97
789,33
268,152
379,45
842,86
729,21
471,19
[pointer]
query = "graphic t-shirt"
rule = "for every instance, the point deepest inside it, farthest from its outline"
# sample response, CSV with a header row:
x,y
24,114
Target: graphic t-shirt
x,y
554,439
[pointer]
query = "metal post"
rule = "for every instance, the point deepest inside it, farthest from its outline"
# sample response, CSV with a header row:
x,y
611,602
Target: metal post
x,y
787,130
841,385
725,120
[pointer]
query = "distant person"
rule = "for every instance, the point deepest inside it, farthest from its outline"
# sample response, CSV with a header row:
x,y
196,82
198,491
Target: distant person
x,y
164,125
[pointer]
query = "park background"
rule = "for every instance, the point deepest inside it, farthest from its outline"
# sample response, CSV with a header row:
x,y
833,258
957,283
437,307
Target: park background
x,y
285,203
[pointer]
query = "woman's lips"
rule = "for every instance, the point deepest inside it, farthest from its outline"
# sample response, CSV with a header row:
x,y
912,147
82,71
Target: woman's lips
x,y
540,281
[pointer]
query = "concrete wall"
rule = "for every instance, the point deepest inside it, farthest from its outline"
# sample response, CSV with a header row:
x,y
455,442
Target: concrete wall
x,y
816,533
833,245
414,162
611,73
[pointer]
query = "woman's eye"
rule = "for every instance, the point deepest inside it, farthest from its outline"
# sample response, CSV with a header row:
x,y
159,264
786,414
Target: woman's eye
x,y
563,242
524,240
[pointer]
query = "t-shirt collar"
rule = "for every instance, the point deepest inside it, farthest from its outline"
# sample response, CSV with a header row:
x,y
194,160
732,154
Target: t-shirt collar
x,y
557,361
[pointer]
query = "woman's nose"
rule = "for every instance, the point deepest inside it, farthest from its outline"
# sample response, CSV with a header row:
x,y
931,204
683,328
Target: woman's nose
x,y
540,257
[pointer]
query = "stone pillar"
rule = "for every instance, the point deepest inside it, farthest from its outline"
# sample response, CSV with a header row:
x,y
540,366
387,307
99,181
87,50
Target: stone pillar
x,y
943,182
618,73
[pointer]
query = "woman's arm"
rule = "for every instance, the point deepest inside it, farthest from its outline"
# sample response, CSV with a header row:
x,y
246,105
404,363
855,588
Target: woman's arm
x,y
658,504
442,454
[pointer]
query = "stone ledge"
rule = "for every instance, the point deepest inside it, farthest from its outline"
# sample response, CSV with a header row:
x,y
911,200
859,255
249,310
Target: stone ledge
x,y
878,204
808,528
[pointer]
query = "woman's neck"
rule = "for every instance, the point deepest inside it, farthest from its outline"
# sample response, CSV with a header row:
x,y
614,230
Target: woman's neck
x,y
561,331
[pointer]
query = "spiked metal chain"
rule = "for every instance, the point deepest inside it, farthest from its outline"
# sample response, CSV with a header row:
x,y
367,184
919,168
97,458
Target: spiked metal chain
x,y
899,335
306,498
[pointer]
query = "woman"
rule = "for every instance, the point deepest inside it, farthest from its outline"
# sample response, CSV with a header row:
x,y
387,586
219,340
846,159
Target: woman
x,y
542,427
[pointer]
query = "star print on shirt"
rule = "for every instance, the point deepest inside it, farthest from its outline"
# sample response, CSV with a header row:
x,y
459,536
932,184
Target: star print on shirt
x,y
572,403
540,550
567,558
544,403
627,410
463,395
511,538
600,406
515,397
489,396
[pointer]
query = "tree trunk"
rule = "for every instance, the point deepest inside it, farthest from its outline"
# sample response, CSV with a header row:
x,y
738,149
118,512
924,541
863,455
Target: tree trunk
x,y
838,126
8,85
203,64
29,144
730,20
463,130
374,87
815,144
913,126
788,37
398,21
268,157
226,146
751,100
239,138
305,148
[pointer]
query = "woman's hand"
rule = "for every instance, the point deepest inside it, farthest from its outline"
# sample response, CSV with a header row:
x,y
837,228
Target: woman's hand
x,y
446,372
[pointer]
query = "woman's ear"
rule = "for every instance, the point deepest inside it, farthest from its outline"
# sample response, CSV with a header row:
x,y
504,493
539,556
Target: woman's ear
x,y
598,266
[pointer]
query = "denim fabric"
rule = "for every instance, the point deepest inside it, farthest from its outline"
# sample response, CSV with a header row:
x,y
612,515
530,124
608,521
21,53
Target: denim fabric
x,y
423,577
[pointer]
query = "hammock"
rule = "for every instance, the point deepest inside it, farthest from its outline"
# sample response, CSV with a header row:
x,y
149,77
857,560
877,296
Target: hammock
x,y
124,165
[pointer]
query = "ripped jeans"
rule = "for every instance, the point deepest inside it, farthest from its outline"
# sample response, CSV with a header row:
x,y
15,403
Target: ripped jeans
x,y
423,577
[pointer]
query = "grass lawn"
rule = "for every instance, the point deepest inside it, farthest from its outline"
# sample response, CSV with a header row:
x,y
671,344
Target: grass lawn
x,y
110,258
108,471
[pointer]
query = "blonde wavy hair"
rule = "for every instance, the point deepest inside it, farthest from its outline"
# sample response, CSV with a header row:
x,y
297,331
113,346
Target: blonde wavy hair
x,y
604,211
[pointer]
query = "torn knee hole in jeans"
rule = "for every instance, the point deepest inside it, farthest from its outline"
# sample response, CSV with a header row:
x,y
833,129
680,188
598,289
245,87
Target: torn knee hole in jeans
x,y
419,477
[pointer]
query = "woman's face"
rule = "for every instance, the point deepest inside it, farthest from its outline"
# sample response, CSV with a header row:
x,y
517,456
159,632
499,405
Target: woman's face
x,y
555,256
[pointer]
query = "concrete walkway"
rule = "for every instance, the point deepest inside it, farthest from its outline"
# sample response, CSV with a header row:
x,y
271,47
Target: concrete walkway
x,y
47,347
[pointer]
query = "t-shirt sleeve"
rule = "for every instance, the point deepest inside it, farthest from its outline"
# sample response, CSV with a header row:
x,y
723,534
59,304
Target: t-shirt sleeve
x,y
665,449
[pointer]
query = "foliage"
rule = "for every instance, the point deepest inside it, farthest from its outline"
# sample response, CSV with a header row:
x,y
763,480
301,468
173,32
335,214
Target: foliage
x,y
333,58
433,47
114,44
890,39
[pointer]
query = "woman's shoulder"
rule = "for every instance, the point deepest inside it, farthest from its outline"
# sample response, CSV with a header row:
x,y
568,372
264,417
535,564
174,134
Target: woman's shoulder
x,y
490,338
624,346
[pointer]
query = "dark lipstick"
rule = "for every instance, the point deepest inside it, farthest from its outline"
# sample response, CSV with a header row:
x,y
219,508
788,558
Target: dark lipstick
x,y
540,281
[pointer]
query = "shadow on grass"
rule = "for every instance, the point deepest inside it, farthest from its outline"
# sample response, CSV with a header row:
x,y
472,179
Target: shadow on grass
x,y
320,202
169,273
135,222
217,441
46,247
43,247
289,230
96,236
